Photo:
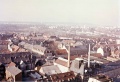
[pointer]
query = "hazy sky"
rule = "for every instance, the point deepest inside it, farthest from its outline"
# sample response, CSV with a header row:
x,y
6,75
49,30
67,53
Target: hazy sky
x,y
101,12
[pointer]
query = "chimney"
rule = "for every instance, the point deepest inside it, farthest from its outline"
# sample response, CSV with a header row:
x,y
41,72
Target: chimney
x,y
68,56
89,57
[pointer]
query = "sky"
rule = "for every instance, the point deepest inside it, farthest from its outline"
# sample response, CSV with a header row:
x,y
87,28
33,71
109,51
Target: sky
x,y
100,12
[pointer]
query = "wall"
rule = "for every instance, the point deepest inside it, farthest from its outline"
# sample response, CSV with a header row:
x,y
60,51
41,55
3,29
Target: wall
x,y
18,77
8,74
9,48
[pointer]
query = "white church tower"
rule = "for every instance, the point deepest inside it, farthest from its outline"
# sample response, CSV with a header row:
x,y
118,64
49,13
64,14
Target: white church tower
x,y
100,50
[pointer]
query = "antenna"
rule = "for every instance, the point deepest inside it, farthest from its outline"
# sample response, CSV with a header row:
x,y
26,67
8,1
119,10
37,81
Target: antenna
x,y
89,57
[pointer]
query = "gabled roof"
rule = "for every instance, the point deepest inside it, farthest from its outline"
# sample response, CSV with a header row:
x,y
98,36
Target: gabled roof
x,y
39,47
22,50
15,48
4,42
61,52
13,70
68,41
98,55
11,64
78,43
72,57
117,52
4,51
5,59
49,70
22,43
81,47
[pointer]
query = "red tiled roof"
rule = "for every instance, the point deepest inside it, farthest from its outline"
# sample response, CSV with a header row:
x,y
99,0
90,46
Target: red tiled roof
x,y
4,42
4,51
62,76
18,49
72,57
22,50
61,52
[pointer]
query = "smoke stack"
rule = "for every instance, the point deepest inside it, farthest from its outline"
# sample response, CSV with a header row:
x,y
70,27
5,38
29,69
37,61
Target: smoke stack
x,y
68,56
89,57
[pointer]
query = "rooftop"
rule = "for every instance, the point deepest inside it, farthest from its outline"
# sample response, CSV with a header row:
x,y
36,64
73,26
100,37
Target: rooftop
x,y
13,70
62,61
61,52
4,42
52,69
11,64
62,76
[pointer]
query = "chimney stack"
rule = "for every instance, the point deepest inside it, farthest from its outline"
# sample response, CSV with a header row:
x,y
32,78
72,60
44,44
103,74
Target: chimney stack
x,y
68,56
89,57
